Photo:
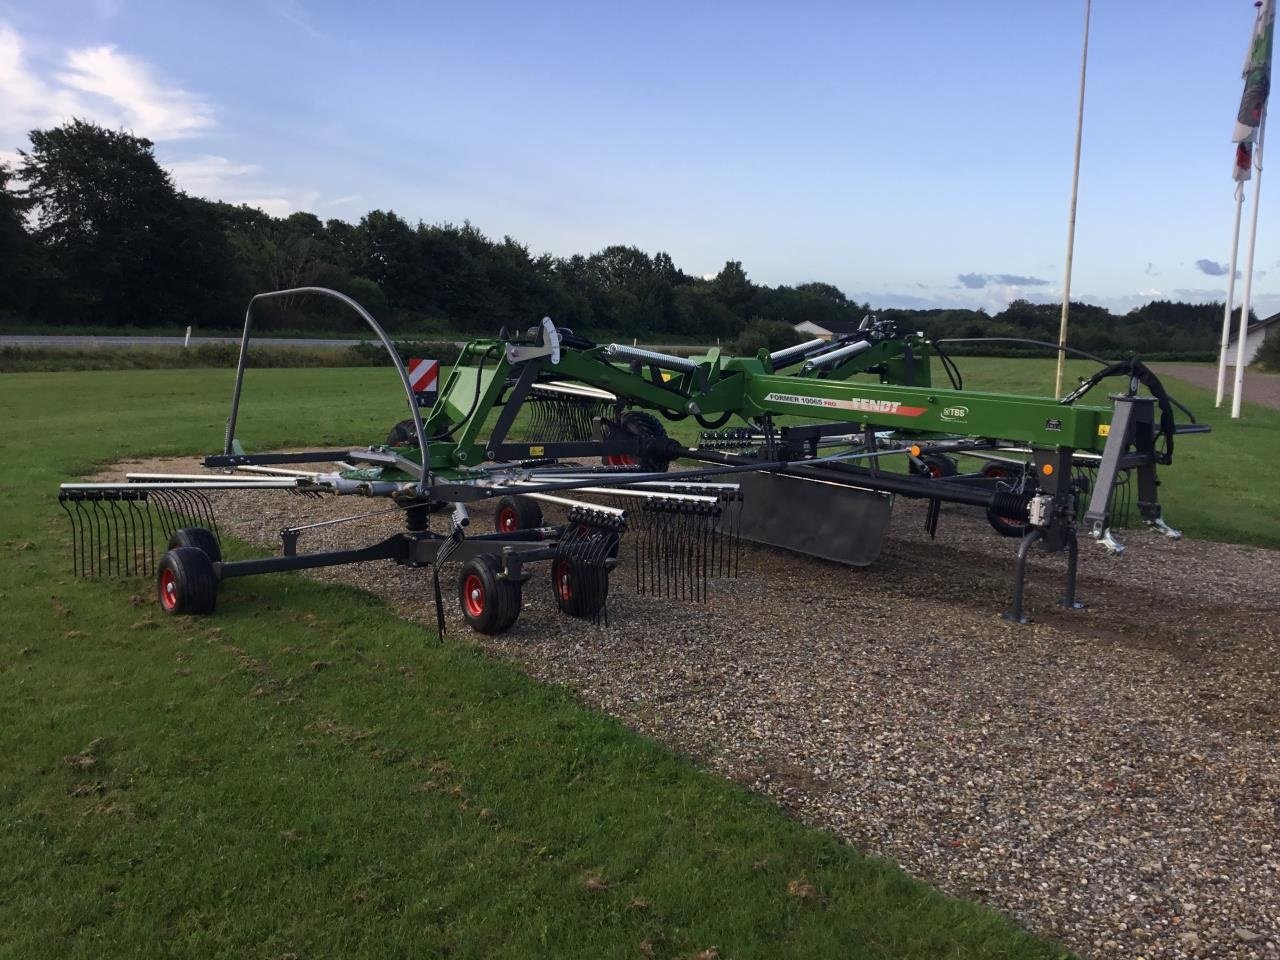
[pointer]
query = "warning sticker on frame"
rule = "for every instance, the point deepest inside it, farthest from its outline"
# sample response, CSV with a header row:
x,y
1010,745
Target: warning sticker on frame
x,y
859,404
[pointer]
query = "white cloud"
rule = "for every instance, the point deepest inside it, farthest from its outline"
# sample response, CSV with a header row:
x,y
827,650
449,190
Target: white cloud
x,y
207,174
107,86
100,84
151,107
283,206
28,100
221,178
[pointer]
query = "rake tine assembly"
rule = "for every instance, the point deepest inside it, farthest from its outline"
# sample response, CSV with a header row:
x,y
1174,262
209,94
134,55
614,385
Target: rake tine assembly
x,y
560,415
115,528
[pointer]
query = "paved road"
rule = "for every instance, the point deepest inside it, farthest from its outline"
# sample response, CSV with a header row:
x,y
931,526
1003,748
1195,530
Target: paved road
x,y
1260,388
40,340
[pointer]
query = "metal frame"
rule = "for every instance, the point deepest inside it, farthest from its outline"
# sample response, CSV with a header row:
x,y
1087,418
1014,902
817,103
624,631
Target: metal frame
x,y
229,440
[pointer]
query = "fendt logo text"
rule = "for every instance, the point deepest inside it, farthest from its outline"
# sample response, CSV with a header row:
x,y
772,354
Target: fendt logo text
x,y
861,404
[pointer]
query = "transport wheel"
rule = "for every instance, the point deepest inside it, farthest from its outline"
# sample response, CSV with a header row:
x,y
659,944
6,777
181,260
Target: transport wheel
x,y
200,538
580,588
490,605
517,513
640,424
937,466
1005,526
403,434
185,582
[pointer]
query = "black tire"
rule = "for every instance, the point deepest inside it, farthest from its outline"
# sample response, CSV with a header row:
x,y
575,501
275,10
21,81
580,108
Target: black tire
x,y
938,466
489,605
185,582
580,588
200,538
517,513
401,434
641,424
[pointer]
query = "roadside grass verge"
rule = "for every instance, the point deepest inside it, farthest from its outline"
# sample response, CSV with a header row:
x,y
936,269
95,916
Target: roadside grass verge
x,y
14,359
306,774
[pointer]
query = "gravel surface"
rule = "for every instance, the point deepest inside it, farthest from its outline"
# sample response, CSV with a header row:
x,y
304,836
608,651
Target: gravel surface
x,y
1259,387
1107,777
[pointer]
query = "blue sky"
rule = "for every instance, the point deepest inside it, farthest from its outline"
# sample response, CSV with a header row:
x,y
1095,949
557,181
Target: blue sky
x,y
913,153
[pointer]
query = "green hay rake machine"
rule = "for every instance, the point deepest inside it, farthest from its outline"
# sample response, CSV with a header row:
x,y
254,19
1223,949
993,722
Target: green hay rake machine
x,y
828,434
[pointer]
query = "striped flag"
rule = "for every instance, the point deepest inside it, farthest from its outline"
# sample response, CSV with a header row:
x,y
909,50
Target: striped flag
x,y
1257,84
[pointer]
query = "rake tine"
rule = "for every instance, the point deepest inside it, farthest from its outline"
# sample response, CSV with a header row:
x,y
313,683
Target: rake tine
x,y
168,512
207,507
130,536
113,525
85,534
149,520
97,538
137,519
75,566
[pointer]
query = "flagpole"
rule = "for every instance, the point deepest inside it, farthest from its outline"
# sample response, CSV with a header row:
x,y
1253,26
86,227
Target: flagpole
x,y
1071,217
1238,392
1231,295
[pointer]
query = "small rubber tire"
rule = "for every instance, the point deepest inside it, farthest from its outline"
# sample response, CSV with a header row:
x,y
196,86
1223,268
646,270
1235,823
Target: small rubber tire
x,y
402,434
640,424
517,513
199,537
580,588
489,605
938,467
185,582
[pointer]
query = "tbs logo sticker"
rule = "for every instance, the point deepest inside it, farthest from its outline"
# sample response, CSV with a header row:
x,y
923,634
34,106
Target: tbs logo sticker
x,y
955,413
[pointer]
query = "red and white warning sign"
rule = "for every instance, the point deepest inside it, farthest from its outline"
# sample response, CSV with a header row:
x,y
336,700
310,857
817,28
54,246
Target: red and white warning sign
x,y
423,374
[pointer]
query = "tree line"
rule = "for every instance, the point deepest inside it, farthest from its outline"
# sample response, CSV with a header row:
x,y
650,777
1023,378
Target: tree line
x,y
94,232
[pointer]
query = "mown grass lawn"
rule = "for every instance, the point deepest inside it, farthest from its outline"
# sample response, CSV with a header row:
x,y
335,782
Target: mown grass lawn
x,y
306,775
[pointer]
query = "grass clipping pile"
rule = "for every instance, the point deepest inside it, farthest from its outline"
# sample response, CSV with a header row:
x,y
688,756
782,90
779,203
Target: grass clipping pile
x,y
1108,777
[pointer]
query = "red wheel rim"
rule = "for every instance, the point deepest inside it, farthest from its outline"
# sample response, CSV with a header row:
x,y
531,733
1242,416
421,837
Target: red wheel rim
x,y
933,470
168,589
473,595
995,473
564,581
620,460
508,519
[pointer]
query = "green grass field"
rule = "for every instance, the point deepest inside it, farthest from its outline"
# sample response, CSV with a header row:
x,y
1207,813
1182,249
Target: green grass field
x,y
305,774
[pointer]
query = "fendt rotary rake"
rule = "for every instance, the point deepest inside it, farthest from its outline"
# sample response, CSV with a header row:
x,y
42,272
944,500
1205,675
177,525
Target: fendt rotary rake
x,y
814,467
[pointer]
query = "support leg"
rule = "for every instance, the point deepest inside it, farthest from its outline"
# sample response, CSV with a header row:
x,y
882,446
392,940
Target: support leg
x,y
1020,575
1073,557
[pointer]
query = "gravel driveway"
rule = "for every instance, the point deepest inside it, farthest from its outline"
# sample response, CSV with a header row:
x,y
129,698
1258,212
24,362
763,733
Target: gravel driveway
x,y
1261,388
1108,777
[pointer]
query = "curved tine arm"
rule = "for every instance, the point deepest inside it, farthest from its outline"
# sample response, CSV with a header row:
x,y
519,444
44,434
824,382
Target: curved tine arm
x,y
381,334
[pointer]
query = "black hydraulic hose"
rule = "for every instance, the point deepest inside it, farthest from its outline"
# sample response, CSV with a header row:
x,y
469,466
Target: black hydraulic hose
x,y
949,365
715,424
1136,370
1035,343
447,433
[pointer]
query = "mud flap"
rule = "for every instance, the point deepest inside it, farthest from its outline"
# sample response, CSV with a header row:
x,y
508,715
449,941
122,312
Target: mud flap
x,y
815,517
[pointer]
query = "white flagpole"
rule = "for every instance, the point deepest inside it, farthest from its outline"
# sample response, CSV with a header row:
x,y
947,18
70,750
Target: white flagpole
x,y
1238,393
1231,295
1071,217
